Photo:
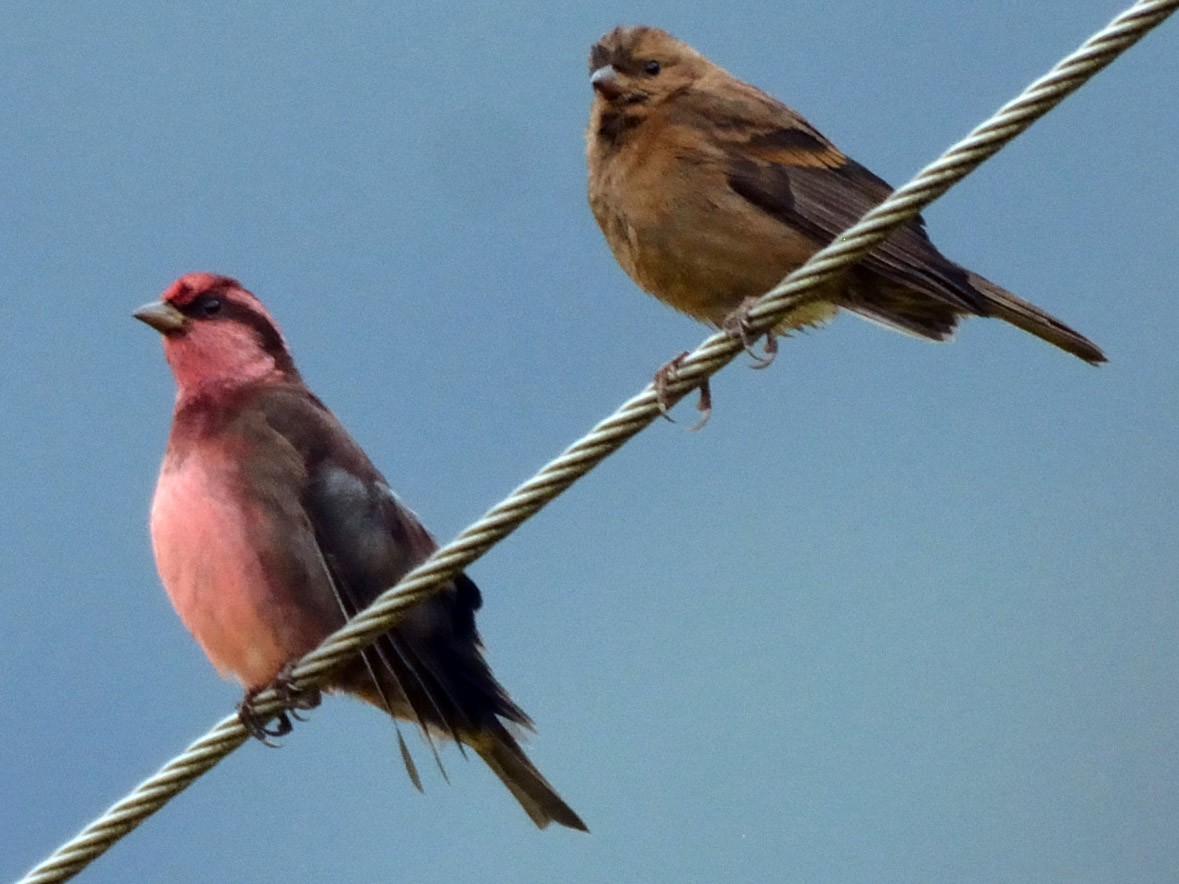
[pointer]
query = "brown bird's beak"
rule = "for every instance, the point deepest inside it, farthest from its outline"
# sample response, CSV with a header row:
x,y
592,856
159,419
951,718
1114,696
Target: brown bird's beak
x,y
605,82
161,316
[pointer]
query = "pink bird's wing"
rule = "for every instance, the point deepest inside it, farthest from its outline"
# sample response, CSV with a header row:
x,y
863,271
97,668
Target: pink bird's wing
x,y
429,668
430,665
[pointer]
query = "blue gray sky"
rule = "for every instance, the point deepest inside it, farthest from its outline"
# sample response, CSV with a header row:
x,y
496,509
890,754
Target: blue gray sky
x,y
902,612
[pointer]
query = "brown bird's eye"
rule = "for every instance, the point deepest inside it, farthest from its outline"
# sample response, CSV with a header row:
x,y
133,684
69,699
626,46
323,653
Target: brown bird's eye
x,y
651,68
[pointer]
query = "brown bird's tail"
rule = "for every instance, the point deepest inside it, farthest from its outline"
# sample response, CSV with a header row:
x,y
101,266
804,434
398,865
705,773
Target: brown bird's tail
x,y
502,753
1006,306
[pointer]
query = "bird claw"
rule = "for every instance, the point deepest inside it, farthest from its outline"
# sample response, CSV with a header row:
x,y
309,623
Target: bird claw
x,y
256,725
295,698
666,374
704,406
662,380
769,352
736,324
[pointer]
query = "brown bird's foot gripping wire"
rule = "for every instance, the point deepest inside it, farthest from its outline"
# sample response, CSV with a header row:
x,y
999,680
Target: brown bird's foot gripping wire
x,y
738,326
295,698
662,381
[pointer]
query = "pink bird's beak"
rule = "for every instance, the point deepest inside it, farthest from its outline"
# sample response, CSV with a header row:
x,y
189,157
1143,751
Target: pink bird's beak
x,y
605,82
161,316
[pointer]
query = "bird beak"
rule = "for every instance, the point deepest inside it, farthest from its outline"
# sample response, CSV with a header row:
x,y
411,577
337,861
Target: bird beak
x,y
161,316
605,82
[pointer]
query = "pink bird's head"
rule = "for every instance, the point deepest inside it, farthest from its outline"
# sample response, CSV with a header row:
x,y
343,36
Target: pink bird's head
x,y
217,334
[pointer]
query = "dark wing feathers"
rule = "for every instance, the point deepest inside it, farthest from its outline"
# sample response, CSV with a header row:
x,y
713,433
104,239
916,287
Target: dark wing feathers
x,y
823,200
792,173
781,164
388,689
429,668
431,662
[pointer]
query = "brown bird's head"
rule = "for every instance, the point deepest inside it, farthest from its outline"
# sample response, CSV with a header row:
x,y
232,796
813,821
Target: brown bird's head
x,y
217,333
633,68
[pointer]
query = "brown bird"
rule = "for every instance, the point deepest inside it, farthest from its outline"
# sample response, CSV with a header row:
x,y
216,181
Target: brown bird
x,y
710,191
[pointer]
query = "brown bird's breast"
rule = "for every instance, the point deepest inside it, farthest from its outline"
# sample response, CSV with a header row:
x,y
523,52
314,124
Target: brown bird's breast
x,y
662,199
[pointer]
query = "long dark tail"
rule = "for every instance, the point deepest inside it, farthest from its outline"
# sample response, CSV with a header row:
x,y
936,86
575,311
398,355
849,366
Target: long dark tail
x,y
929,303
1006,306
502,753
430,670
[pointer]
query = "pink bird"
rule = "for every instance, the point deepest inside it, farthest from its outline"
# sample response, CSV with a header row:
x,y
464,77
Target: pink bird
x,y
270,526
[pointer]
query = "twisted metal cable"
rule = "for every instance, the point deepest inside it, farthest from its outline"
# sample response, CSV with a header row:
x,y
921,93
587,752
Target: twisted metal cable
x,y
714,353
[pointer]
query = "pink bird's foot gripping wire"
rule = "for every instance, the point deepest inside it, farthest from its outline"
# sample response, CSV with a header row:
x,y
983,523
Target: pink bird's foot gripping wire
x,y
295,698
255,723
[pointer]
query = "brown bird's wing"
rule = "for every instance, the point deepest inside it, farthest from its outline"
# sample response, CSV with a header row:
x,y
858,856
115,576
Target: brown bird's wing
x,y
782,165
798,177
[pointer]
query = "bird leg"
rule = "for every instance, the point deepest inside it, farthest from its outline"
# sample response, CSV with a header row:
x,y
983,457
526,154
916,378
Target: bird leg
x,y
295,698
737,325
255,724
704,406
663,379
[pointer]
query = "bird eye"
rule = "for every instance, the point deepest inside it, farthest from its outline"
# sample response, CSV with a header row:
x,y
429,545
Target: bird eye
x,y
651,67
210,306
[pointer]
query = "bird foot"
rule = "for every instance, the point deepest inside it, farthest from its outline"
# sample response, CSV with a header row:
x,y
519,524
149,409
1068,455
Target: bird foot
x,y
736,324
295,698
663,379
256,725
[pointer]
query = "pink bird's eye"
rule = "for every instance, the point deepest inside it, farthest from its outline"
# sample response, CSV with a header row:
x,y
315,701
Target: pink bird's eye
x,y
209,306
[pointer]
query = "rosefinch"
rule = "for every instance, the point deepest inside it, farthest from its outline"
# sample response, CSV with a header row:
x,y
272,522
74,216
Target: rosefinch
x,y
270,525
709,192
